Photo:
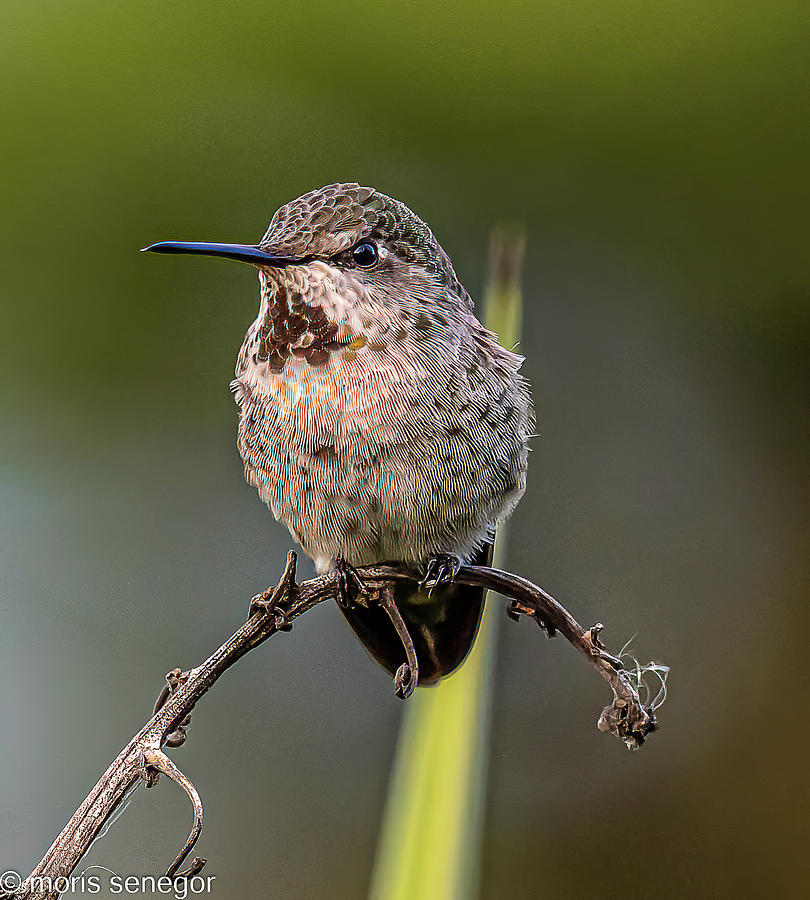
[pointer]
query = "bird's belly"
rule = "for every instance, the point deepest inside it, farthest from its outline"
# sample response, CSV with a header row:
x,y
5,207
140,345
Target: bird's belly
x,y
355,502
364,472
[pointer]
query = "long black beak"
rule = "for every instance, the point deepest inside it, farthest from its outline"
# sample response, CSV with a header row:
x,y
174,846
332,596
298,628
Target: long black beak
x,y
241,252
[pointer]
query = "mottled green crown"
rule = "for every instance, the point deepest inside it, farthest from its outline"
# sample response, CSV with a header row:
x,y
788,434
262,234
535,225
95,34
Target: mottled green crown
x,y
326,222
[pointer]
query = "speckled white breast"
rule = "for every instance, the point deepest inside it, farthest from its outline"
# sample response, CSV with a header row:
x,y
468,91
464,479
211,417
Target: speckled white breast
x,y
408,441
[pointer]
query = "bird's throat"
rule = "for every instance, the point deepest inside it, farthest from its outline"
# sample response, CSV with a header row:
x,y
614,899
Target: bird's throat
x,y
293,327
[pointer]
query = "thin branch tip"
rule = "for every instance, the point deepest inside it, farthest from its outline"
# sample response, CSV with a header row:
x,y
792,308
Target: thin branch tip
x,y
157,759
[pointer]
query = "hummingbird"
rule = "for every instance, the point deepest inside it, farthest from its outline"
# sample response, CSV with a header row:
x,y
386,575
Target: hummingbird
x,y
379,420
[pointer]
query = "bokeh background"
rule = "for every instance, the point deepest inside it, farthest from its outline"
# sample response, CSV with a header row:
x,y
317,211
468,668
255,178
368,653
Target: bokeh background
x,y
657,156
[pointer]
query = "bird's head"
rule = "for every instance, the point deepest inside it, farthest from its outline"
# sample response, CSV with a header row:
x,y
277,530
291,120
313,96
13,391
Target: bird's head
x,y
342,265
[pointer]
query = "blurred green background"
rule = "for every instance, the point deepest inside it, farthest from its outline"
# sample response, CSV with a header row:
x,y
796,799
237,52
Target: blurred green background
x,y
657,155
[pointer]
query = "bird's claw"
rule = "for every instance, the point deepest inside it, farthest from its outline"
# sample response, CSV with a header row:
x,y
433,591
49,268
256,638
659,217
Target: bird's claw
x,y
351,589
352,592
441,569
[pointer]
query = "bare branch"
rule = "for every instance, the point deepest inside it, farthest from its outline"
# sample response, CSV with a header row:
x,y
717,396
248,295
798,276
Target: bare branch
x,y
626,717
157,759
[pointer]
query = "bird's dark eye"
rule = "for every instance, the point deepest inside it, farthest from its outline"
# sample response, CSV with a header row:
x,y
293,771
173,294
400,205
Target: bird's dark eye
x,y
365,254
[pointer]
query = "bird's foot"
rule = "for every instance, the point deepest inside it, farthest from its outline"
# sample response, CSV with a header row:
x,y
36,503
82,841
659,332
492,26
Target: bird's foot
x,y
351,592
441,570
174,679
351,589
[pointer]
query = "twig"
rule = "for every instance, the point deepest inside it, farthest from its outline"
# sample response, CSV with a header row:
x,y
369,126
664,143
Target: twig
x,y
142,758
